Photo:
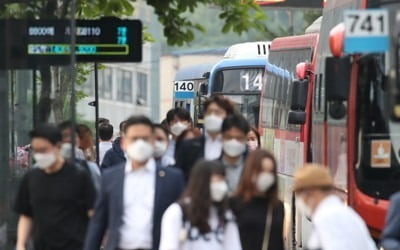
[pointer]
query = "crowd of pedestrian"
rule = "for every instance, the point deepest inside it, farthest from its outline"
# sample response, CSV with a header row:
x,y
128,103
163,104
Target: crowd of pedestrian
x,y
171,186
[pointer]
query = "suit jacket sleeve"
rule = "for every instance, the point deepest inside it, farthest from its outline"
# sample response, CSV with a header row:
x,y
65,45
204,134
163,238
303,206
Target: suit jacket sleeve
x,y
180,157
107,161
391,232
98,223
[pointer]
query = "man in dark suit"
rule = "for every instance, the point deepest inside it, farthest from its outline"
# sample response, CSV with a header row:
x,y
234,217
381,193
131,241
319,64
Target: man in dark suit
x,y
134,195
209,146
114,156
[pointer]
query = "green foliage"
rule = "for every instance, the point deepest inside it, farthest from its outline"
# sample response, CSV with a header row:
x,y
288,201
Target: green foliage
x,y
239,16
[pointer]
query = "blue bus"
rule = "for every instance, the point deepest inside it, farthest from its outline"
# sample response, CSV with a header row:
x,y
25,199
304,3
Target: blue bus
x,y
241,81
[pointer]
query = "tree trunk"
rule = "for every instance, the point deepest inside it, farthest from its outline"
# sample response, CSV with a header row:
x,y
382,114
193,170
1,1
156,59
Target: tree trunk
x,y
62,91
44,105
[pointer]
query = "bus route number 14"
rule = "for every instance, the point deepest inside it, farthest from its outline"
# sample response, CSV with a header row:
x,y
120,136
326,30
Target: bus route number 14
x,y
251,81
183,86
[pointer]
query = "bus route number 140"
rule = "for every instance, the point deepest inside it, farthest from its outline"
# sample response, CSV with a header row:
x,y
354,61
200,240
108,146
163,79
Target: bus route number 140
x,y
183,86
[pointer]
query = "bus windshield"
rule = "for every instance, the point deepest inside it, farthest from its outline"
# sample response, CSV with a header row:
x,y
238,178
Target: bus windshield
x,y
238,81
378,171
248,106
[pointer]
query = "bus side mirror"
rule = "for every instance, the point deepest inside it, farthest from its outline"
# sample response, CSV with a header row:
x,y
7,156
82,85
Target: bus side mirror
x,y
299,95
297,114
297,117
337,78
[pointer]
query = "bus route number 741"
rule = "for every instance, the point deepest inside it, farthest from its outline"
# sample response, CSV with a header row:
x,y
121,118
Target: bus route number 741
x,y
366,31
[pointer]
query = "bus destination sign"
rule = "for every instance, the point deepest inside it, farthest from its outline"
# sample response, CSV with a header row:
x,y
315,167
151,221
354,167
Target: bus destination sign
x,y
33,43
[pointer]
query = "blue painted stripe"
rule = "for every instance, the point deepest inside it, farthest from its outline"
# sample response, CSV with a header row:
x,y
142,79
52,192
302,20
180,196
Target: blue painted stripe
x,y
365,44
184,95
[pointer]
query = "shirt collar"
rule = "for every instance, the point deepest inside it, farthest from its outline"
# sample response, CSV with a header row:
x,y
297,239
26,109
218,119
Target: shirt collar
x,y
149,167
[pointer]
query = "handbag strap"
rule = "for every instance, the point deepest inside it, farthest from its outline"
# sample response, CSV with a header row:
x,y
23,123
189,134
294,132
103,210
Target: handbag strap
x,y
267,231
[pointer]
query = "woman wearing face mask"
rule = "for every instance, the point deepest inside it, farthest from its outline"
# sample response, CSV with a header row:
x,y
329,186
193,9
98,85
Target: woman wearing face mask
x,y
253,139
256,205
200,219
161,146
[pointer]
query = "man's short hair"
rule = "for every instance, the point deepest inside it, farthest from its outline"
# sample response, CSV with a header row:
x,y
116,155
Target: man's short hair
x,y
106,131
181,113
48,132
138,120
222,102
122,125
236,121
102,120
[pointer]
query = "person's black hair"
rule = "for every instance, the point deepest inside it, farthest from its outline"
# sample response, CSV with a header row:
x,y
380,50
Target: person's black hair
x,y
102,120
49,132
106,131
122,125
164,129
236,121
222,102
68,125
164,123
138,120
181,113
255,131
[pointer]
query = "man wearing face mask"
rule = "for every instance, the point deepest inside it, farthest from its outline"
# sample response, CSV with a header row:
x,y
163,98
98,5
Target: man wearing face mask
x,y
234,148
161,145
134,195
335,225
55,199
178,120
208,146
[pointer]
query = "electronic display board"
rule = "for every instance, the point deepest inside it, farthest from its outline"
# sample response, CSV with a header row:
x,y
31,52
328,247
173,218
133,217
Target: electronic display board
x,y
35,43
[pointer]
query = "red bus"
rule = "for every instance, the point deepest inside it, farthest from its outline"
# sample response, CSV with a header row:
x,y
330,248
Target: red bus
x,y
341,116
288,141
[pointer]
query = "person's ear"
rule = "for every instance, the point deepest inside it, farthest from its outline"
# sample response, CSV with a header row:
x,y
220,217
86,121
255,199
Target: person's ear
x,y
123,144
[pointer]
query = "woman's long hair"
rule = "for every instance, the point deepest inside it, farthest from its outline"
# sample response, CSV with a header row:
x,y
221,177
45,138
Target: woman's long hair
x,y
253,166
86,142
196,200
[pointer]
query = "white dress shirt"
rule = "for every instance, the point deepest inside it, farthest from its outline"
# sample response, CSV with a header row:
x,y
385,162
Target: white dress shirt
x,y
175,235
171,149
337,226
213,148
138,202
104,146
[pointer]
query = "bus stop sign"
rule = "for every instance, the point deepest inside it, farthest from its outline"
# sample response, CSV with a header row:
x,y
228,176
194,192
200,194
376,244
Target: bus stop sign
x,y
35,43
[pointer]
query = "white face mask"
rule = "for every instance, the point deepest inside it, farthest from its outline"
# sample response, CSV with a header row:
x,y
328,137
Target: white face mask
x,y
66,151
160,148
140,151
233,147
44,160
265,181
218,190
178,128
303,207
213,123
253,145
